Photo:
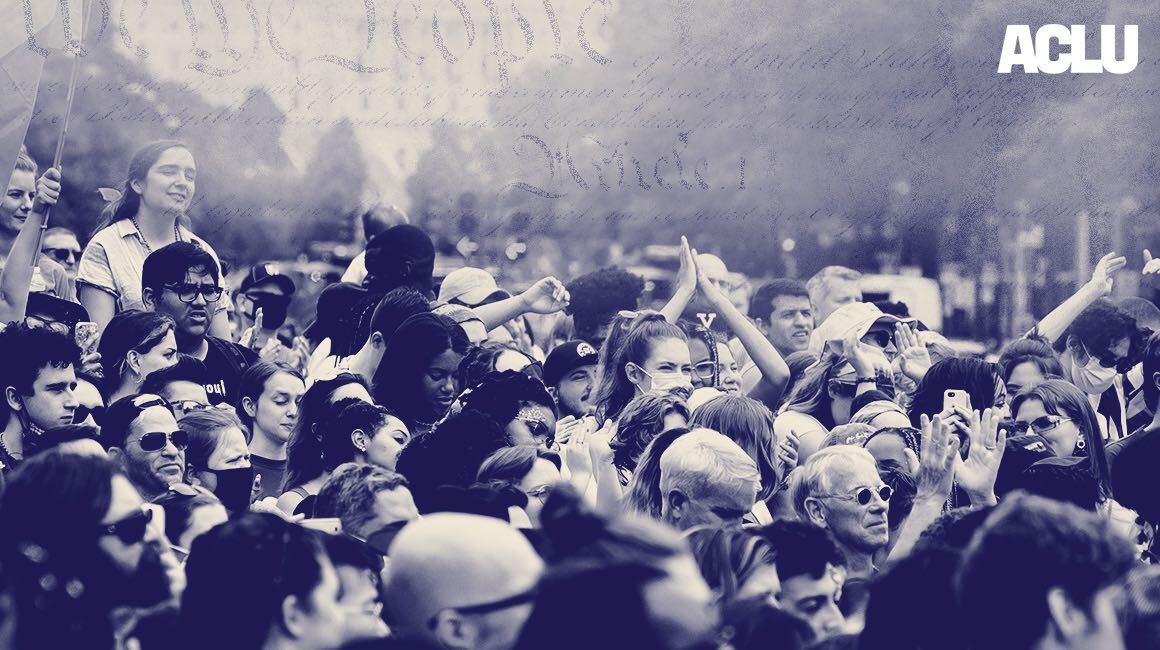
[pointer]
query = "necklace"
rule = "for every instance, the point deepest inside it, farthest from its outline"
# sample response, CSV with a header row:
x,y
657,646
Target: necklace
x,y
144,240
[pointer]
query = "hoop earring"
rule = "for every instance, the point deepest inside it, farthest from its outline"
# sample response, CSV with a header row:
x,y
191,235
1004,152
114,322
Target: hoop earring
x,y
1080,443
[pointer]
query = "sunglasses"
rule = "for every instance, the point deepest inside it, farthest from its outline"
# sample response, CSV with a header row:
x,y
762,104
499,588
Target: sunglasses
x,y
846,388
131,529
188,406
62,254
864,495
188,292
879,338
1040,425
155,440
487,608
33,322
83,412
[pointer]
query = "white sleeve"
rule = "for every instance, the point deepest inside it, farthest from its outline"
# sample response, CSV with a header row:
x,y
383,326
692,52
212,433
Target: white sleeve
x,y
357,271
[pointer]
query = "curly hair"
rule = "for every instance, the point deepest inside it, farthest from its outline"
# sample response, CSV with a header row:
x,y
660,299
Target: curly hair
x,y
597,296
639,423
1100,325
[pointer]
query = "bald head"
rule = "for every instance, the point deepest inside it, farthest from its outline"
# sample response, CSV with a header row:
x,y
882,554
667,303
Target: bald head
x,y
446,561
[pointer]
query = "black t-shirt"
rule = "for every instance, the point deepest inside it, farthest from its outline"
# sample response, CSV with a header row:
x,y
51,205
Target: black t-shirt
x,y
1132,463
268,475
225,362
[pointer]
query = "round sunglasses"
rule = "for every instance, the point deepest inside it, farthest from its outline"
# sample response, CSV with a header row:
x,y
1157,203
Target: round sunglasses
x,y
864,495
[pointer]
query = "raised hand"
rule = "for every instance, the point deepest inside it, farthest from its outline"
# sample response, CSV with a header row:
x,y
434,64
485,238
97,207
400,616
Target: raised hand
x,y
787,455
1103,276
936,465
912,354
977,473
864,359
47,190
250,336
600,444
545,297
687,274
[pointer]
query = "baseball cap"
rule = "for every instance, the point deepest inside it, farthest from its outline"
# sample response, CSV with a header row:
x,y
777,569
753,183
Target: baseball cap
x,y
854,318
565,358
470,286
267,272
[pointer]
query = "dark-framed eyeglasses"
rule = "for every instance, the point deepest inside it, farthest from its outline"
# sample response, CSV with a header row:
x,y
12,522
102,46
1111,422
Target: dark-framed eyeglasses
x,y
864,495
486,608
131,529
155,440
63,255
188,292
1041,424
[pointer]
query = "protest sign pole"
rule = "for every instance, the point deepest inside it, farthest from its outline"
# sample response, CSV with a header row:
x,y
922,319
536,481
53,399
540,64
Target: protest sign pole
x,y
78,51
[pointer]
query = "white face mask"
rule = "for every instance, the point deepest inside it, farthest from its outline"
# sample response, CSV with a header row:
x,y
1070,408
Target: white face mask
x,y
1092,378
662,383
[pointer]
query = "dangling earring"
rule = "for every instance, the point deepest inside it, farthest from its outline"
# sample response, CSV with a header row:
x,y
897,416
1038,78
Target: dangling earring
x,y
1080,443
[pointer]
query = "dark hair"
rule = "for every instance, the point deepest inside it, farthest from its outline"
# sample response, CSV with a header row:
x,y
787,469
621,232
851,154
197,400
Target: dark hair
x,y
798,362
252,384
728,557
1060,397
500,395
240,573
811,392
596,297
349,494
304,449
27,351
479,361
748,423
1063,482
802,548
350,415
954,529
179,509
1101,325
51,508
912,604
379,217
566,591
392,310
975,376
1151,361
450,454
761,305
134,330
56,436
345,550
129,202
121,415
400,255
205,429
613,389
1027,547
643,494
170,264
573,532
187,369
409,353
641,421
893,308
905,489
512,464
1029,350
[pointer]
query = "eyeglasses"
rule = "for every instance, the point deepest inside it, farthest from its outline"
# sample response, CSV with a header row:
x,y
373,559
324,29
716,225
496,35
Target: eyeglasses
x,y
131,529
1040,425
541,492
62,254
847,388
879,338
187,292
155,440
486,608
188,406
863,495
535,370
34,322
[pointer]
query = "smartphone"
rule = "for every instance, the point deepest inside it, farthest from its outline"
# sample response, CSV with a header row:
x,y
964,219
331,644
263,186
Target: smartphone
x,y
86,333
329,525
953,397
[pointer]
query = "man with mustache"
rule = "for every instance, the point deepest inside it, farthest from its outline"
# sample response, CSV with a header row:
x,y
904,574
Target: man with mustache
x,y
570,375
141,435
181,280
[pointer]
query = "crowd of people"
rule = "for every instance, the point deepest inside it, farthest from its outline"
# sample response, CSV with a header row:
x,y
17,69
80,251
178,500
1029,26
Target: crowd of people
x,y
444,463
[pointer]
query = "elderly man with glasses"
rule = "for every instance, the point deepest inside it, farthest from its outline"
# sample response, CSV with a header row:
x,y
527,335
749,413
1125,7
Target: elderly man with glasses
x,y
840,490
141,435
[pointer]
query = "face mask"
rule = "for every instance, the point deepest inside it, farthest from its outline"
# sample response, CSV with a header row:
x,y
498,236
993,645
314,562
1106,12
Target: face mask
x,y
667,382
234,488
273,309
1092,378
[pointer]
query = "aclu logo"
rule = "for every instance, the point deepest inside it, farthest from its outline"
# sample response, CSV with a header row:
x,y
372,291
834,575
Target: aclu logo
x,y
1035,54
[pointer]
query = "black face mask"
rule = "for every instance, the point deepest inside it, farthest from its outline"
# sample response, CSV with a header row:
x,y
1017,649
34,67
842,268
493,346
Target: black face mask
x,y
273,308
234,488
